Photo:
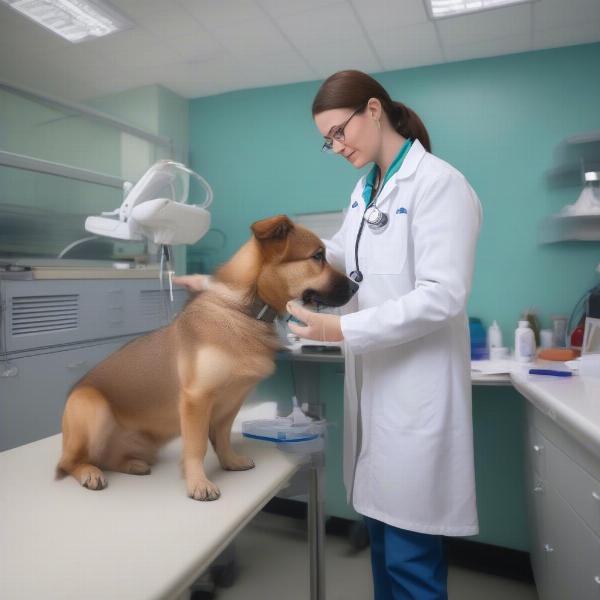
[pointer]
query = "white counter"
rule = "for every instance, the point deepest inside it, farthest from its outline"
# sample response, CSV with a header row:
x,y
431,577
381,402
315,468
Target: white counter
x,y
142,537
573,403
294,352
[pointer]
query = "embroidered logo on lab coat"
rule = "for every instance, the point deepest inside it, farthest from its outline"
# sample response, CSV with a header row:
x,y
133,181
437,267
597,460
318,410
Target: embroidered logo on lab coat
x,y
401,211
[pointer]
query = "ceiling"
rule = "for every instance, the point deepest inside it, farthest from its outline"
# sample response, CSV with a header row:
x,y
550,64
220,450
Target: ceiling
x,y
205,47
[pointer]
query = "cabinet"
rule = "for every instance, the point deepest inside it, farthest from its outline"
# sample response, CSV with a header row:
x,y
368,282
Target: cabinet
x,y
562,481
33,390
53,331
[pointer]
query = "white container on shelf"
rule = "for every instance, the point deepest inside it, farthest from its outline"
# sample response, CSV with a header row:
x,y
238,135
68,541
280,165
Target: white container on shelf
x,y
524,342
546,338
494,337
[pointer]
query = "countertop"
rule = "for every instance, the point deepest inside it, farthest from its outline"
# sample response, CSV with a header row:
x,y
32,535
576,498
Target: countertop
x,y
573,403
294,352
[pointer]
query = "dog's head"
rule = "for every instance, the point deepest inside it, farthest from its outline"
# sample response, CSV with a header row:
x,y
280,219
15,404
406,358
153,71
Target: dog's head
x,y
294,265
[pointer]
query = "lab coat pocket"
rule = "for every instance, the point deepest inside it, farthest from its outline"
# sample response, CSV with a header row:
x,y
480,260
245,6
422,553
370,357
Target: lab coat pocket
x,y
388,251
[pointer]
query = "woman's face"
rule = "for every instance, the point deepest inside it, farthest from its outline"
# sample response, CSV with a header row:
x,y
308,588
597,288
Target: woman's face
x,y
361,137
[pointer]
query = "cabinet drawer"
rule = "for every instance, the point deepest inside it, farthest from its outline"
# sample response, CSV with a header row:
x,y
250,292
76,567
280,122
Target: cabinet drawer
x,y
535,451
569,444
534,489
573,553
33,391
575,485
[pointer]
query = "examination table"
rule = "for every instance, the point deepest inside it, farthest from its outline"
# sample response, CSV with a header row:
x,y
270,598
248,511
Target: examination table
x,y
141,538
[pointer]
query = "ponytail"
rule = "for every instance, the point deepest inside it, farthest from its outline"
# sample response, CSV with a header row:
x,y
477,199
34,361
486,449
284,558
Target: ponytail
x,y
408,124
353,89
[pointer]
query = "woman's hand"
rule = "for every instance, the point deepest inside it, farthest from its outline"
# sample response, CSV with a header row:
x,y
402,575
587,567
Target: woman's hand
x,y
193,283
319,326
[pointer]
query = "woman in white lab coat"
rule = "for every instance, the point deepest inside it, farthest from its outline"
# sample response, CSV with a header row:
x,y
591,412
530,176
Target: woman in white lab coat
x,y
408,238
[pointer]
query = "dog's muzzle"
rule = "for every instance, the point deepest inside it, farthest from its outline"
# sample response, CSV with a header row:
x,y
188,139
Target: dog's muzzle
x,y
339,294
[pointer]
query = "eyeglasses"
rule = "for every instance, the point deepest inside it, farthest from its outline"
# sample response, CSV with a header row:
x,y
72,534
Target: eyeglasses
x,y
337,132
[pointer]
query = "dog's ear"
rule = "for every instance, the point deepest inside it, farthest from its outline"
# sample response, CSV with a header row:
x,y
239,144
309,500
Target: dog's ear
x,y
273,228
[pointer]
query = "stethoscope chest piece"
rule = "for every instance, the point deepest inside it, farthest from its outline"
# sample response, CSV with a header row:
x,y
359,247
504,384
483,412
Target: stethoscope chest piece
x,y
375,218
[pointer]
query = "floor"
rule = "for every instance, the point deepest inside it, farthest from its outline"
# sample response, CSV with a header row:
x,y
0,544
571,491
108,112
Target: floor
x,y
272,560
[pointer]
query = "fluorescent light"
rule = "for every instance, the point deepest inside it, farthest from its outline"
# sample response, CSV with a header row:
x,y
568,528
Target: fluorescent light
x,y
439,9
74,20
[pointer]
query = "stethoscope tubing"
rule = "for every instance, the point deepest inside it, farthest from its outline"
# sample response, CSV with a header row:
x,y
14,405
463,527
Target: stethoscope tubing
x,y
381,222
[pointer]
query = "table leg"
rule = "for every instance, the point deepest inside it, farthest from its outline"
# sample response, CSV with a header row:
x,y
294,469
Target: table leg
x,y
316,528
306,387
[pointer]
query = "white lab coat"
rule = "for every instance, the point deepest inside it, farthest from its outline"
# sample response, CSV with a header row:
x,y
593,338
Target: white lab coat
x,y
408,436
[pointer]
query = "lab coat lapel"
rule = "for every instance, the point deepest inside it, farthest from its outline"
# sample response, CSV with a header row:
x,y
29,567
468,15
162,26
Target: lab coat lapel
x,y
408,167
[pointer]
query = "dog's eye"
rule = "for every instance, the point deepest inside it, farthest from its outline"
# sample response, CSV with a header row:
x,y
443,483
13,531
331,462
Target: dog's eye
x,y
320,256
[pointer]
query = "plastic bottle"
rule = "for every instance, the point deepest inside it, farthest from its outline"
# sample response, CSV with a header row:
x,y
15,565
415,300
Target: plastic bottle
x,y
524,342
494,337
546,338
477,335
559,329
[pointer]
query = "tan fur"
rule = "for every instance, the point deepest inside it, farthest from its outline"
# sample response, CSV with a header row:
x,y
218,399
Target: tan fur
x,y
191,377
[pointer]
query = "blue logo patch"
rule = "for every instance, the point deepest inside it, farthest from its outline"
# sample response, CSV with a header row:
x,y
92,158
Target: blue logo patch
x,y
354,204
401,211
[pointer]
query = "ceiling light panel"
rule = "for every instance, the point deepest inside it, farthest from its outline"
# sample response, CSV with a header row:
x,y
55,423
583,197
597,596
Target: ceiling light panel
x,y
441,9
74,20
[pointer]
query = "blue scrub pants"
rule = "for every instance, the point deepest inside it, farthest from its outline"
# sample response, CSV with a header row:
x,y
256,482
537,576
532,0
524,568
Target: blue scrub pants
x,y
407,565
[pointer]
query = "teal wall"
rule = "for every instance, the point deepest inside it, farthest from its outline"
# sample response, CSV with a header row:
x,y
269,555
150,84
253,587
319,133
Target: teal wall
x,y
499,120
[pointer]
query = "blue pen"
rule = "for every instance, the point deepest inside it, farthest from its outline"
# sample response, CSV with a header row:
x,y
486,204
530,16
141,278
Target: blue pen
x,y
550,372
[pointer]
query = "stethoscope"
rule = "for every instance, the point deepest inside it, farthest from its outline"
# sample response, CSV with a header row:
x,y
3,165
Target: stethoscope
x,y
376,219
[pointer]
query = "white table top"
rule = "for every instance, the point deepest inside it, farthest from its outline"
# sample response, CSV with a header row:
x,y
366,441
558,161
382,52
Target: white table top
x,y
142,537
573,403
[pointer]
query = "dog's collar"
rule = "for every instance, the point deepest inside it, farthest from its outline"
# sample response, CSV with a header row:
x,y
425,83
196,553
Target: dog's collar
x,y
262,311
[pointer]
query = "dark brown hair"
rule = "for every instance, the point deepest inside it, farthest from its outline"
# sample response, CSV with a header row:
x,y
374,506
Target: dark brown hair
x,y
353,89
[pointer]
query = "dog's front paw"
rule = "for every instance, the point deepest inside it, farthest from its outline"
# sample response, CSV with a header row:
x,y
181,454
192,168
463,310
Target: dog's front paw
x,y
237,462
92,478
202,489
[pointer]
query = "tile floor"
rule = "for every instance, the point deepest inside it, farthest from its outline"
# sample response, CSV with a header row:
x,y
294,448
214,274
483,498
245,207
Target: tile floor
x,y
272,560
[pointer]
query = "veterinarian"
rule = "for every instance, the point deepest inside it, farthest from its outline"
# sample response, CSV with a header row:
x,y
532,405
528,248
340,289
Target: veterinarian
x,y
408,238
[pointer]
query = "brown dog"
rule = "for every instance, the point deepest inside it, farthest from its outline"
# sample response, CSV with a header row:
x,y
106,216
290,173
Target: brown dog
x,y
191,377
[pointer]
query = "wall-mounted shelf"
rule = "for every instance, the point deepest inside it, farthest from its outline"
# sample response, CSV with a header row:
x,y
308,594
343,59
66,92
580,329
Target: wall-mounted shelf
x,y
37,165
48,188
88,112
577,160
574,155
580,228
583,138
